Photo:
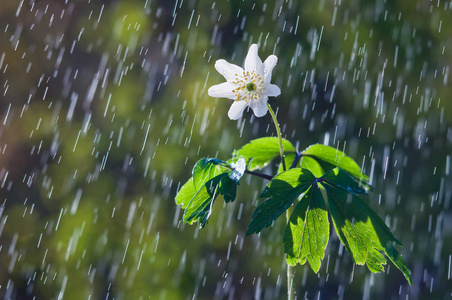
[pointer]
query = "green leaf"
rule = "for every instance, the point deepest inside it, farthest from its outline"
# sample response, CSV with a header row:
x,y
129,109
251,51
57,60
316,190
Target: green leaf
x,y
342,180
231,179
186,193
228,188
200,207
399,262
282,190
204,170
360,229
209,180
312,165
328,158
306,235
260,152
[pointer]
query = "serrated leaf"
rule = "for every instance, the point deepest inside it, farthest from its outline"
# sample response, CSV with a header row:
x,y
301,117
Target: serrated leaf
x,y
306,235
211,180
399,262
204,170
200,207
362,232
185,194
328,158
282,190
260,152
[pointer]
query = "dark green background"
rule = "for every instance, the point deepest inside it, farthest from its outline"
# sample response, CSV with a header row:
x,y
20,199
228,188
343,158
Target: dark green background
x,y
104,111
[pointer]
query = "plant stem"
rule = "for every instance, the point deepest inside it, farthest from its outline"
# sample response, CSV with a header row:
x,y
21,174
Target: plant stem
x,y
290,274
296,160
290,270
278,132
265,176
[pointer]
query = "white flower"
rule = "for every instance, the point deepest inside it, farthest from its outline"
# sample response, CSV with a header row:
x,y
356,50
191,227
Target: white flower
x,y
250,87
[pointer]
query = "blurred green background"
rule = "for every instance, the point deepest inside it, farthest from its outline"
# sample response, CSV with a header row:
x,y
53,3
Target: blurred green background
x,y
104,111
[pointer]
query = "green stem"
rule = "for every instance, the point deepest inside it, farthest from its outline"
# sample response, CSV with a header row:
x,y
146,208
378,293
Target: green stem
x,y
278,132
290,270
265,176
290,274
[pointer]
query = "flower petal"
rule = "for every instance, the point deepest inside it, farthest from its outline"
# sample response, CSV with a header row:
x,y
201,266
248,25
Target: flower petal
x,y
228,70
259,107
272,90
236,110
269,64
253,61
222,90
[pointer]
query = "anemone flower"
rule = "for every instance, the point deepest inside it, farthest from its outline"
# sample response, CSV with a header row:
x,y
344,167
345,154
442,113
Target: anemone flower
x,y
250,87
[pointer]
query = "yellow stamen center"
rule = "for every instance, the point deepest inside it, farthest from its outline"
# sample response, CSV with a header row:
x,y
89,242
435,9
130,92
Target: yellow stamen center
x,y
249,86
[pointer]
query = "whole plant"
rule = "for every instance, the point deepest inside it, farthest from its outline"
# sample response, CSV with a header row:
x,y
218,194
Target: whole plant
x,y
311,187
